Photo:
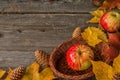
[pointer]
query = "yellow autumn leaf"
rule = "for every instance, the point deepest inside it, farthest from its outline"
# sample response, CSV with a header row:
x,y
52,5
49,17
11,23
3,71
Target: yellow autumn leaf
x,y
37,76
94,36
97,14
47,74
116,64
102,70
2,72
25,77
32,73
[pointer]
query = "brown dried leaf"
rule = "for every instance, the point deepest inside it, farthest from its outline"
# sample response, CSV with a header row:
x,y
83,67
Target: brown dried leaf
x,y
110,4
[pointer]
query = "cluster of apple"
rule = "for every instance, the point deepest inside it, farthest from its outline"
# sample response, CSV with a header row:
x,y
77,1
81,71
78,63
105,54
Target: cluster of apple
x,y
110,22
78,56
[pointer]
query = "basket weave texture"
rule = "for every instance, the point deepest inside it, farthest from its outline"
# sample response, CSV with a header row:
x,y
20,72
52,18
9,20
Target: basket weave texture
x,y
58,63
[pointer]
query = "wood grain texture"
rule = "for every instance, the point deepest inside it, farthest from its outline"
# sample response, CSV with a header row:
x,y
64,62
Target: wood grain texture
x,y
45,6
22,34
29,25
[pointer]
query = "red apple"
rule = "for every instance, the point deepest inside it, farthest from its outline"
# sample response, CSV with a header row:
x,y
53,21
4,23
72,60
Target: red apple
x,y
114,39
110,21
78,57
110,52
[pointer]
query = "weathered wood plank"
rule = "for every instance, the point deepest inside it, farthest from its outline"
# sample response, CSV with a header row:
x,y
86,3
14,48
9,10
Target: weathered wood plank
x,y
15,58
20,31
44,6
36,21
22,34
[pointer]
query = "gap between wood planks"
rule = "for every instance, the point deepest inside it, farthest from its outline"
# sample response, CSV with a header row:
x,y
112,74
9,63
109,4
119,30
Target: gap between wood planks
x,y
44,12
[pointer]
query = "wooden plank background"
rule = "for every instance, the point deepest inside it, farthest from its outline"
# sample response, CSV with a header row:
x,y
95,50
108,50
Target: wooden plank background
x,y
43,6
28,25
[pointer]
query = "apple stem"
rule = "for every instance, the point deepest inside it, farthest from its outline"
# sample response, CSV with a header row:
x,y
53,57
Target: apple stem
x,y
79,52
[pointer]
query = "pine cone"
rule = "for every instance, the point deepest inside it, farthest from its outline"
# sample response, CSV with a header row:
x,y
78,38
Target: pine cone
x,y
42,58
116,76
17,73
76,33
97,2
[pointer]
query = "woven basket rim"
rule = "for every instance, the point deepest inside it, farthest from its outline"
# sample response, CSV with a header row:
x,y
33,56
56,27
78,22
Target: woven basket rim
x,y
66,76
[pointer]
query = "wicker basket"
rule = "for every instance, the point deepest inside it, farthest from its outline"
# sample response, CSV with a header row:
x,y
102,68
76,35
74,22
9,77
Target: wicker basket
x,y
58,63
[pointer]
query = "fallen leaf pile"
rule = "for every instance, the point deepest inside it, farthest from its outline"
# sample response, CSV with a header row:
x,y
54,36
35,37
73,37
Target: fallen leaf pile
x,y
104,71
94,36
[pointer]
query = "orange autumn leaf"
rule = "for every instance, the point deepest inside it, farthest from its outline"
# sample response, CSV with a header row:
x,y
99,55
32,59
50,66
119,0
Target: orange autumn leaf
x,y
110,4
